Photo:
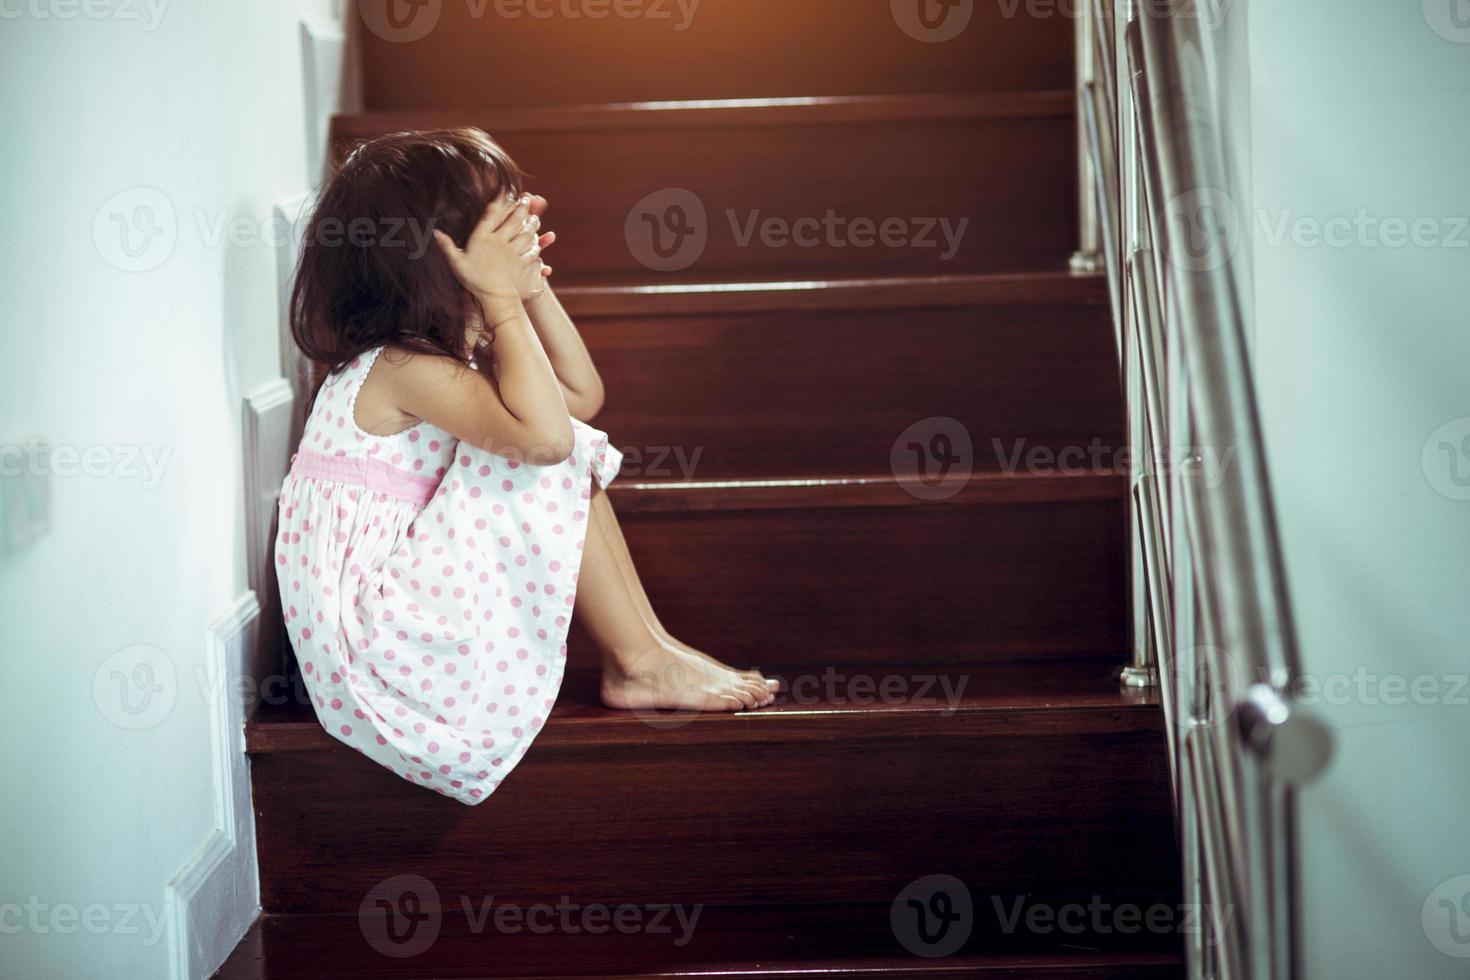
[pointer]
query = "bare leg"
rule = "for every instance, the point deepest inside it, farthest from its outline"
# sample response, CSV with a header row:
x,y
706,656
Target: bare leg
x,y
640,668
607,519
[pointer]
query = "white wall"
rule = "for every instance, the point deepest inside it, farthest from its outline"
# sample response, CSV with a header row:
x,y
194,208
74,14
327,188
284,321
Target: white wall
x,y
199,101
1362,353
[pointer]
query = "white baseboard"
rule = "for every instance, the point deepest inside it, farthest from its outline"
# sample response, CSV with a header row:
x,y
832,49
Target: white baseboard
x,y
270,436
332,86
215,898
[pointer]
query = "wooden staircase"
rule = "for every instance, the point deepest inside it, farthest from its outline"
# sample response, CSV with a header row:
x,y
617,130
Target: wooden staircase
x,y
951,652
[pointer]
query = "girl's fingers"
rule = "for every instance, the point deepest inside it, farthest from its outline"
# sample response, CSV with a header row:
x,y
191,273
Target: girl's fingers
x,y
538,204
446,243
497,212
548,239
525,243
515,221
546,271
451,252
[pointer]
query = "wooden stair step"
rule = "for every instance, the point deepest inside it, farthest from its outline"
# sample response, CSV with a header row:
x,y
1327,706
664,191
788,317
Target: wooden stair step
x,y
1016,697
641,296
862,569
459,54
782,490
771,943
947,184
750,378
1013,791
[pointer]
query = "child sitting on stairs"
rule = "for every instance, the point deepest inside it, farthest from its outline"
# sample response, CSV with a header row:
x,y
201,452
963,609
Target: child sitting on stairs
x,y
445,513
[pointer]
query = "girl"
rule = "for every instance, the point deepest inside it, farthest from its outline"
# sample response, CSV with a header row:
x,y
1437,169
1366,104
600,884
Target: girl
x,y
446,507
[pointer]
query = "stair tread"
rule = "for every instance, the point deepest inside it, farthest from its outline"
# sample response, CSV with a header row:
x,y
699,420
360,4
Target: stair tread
x,y
784,485
730,49
823,702
776,941
716,112
997,162
672,296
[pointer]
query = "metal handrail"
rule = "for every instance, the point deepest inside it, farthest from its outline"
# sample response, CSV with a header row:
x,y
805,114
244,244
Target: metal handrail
x,y
1255,606
1214,621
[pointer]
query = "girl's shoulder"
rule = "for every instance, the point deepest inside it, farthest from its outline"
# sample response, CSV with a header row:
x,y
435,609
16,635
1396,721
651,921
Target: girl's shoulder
x,y
407,371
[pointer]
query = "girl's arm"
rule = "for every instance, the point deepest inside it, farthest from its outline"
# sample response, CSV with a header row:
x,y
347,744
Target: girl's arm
x,y
580,382
523,414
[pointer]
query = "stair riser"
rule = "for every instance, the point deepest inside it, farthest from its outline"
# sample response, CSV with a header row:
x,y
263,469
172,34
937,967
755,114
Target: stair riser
x,y
1078,812
832,390
726,49
791,199
958,583
772,942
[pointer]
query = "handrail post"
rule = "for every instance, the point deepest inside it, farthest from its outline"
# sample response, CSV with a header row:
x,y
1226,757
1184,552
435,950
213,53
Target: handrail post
x,y
1087,260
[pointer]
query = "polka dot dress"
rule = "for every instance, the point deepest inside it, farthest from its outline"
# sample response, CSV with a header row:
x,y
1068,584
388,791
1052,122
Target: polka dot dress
x,y
427,588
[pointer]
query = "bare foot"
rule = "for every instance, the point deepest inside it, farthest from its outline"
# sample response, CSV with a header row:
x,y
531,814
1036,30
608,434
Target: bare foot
x,y
749,674
678,678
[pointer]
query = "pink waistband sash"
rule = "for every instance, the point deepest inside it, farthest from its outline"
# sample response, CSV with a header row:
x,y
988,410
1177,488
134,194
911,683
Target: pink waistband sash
x,y
374,474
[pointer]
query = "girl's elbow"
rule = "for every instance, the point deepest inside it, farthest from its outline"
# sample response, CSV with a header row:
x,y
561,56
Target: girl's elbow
x,y
552,455
552,448
589,407
585,405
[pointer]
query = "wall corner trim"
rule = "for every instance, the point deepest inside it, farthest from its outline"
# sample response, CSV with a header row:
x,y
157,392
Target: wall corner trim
x,y
216,896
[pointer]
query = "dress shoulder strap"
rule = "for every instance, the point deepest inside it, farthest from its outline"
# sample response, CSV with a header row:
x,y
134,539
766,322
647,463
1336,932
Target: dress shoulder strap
x,y
353,375
347,381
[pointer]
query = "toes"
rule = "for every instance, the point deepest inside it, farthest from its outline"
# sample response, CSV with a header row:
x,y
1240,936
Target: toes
x,y
760,693
766,688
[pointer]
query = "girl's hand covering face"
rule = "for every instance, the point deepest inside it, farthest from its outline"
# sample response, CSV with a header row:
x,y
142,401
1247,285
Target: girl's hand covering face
x,y
501,261
539,205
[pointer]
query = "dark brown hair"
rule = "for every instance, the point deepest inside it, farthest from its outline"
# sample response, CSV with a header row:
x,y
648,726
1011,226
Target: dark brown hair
x,y
370,273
